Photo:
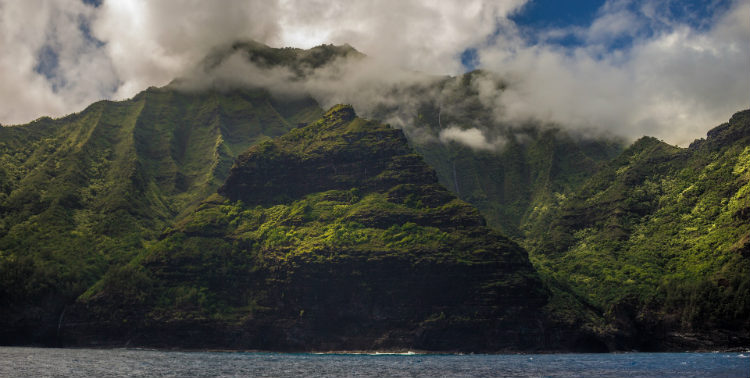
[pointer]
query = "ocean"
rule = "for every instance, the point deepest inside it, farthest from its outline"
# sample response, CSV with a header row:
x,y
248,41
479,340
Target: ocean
x,y
50,362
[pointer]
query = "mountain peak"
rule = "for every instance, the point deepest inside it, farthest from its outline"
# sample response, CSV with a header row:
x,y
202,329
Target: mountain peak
x,y
342,112
339,151
334,236
735,129
298,60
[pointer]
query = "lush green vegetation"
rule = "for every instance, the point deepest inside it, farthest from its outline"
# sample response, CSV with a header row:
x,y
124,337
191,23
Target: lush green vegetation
x,y
225,238
662,230
119,202
89,191
375,227
530,165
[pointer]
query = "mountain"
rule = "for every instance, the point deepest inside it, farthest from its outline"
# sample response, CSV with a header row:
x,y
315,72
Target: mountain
x,y
660,241
86,192
515,168
334,236
527,164
148,211
299,61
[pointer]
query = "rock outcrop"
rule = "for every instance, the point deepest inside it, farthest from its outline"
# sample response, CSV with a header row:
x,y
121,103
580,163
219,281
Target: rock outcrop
x,y
335,236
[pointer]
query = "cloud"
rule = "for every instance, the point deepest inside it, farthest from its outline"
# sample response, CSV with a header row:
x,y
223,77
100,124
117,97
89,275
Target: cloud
x,y
128,45
471,137
152,42
422,35
638,70
50,63
376,88
673,81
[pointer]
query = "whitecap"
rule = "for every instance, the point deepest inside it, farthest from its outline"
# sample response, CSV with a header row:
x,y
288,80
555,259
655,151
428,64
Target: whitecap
x,y
409,353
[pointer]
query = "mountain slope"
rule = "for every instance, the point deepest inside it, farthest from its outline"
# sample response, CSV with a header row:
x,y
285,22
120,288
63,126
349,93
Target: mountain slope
x,y
528,167
644,251
334,236
504,169
88,191
659,240
508,184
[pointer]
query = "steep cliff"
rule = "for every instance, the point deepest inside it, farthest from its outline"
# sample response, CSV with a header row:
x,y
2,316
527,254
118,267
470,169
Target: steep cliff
x,y
87,192
333,236
658,240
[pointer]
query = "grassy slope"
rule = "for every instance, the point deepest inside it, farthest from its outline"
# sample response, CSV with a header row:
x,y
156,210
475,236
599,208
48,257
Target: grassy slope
x,y
90,190
533,164
659,239
370,242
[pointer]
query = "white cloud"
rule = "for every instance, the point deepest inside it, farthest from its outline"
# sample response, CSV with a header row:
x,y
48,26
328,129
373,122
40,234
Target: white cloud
x,y
471,137
148,43
152,42
49,35
673,82
423,35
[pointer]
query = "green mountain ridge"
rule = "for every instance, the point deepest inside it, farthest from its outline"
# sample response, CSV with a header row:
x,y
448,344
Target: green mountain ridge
x,y
88,191
659,240
334,236
298,60
637,248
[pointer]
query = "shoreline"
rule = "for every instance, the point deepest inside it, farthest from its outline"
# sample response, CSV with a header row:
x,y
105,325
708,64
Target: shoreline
x,y
393,352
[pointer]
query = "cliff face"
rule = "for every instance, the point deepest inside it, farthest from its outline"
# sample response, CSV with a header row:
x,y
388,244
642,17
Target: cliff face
x,y
87,192
658,240
340,152
333,236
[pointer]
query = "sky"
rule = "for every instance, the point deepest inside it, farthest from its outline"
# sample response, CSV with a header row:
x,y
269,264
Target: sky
x,y
670,69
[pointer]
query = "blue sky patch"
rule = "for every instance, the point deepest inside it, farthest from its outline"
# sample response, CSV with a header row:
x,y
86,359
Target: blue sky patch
x,y
95,3
538,17
470,59
48,61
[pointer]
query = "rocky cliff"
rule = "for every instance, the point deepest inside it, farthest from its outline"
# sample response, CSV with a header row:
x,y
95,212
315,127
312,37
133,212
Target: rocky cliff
x,y
334,236
659,241
87,192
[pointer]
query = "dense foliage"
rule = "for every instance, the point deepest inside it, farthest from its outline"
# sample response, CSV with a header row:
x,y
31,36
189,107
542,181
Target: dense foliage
x,y
89,191
117,207
337,222
660,238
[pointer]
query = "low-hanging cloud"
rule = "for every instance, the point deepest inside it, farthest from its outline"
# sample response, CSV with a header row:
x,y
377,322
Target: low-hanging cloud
x,y
121,47
673,84
674,81
471,137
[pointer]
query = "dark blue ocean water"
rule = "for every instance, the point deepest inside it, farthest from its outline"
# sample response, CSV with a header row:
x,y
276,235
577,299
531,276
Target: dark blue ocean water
x,y
36,362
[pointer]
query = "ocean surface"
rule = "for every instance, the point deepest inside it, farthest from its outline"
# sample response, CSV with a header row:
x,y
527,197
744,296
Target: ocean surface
x,y
41,362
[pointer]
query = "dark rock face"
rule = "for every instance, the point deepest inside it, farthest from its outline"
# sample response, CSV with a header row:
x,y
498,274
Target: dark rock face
x,y
83,193
313,160
332,237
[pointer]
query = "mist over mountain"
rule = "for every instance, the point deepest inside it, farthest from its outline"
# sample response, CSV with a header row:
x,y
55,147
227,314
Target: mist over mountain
x,y
631,68
207,206
334,236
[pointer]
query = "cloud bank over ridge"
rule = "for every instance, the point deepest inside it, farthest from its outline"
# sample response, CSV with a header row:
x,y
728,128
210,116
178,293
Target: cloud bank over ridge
x,y
672,79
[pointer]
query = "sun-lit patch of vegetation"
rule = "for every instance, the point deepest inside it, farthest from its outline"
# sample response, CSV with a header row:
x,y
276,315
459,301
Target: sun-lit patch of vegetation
x,y
665,227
